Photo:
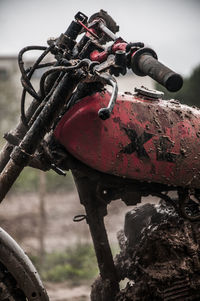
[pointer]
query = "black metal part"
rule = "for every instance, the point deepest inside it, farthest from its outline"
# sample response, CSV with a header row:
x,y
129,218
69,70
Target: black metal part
x,y
112,187
120,58
135,60
11,139
133,45
73,30
95,212
67,40
144,62
79,218
96,190
120,63
19,156
81,17
64,42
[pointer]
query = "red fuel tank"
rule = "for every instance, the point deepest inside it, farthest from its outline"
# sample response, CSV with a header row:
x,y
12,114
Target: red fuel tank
x,y
145,139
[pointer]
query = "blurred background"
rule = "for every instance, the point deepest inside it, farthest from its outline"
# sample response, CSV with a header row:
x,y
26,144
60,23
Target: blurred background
x,y
39,209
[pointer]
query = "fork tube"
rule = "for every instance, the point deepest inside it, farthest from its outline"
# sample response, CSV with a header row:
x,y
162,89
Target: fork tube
x,y
21,154
20,130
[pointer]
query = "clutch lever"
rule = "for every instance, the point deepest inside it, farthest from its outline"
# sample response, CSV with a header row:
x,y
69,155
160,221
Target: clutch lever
x,y
104,113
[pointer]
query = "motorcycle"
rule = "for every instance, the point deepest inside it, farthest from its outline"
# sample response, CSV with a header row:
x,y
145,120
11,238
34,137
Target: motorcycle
x,y
117,146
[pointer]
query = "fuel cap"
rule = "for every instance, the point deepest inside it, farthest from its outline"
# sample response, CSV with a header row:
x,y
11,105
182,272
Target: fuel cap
x,y
143,91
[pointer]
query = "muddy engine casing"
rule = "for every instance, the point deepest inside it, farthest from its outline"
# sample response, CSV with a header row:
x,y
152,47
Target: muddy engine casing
x,y
159,256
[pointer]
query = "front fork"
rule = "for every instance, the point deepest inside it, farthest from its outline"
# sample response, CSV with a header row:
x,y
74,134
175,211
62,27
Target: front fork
x,y
96,209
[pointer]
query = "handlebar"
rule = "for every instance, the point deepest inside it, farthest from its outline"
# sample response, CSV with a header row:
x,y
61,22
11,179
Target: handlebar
x,y
144,62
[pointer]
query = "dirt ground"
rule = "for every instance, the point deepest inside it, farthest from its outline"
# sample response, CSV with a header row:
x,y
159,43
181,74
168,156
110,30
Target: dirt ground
x,y
63,292
20,217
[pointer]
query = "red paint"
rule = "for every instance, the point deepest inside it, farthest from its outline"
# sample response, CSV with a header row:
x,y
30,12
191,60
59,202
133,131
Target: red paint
x,y
119,46
101,56
169,155
90,31
98,56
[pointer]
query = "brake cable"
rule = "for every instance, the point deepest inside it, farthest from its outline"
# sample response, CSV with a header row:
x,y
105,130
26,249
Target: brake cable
x,y
29,75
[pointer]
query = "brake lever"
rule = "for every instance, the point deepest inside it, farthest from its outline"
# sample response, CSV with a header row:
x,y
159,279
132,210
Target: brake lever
x,y
104,113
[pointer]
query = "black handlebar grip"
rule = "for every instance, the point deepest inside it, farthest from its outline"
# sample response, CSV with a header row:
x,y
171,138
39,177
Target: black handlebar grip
x,y
144,62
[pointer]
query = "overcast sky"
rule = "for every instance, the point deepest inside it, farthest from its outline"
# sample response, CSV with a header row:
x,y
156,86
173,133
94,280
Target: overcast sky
x,y
170,27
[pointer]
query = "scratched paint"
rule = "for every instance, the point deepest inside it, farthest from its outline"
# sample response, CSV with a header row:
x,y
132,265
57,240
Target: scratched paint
x,y
144,139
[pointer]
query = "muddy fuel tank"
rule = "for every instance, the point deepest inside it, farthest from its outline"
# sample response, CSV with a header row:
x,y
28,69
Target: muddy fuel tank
x,y
146,138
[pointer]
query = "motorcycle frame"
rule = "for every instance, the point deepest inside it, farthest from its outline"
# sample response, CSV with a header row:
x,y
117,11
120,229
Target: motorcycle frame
x,y
96,190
